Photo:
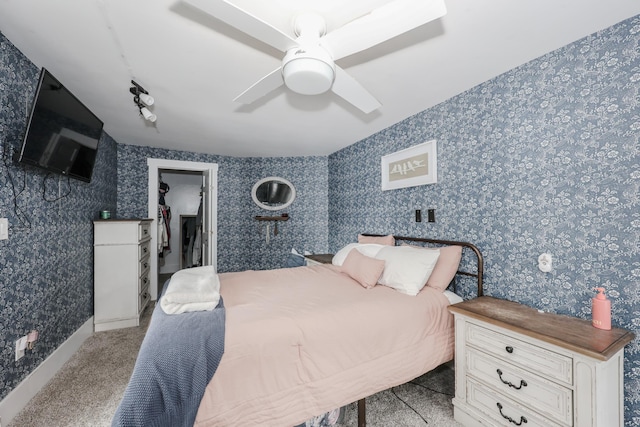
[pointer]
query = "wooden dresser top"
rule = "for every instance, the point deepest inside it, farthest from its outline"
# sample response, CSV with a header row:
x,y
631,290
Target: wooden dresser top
x,y
567,332
321,258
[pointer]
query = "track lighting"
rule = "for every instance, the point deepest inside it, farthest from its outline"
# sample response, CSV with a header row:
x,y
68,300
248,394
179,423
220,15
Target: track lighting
x,y
148,115
146,99
142,99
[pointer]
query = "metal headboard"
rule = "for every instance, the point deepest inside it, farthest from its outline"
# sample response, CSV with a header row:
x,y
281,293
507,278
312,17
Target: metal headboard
x,y
480,261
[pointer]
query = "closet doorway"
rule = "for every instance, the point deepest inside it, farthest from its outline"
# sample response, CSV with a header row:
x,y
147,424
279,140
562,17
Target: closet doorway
x,y
203,177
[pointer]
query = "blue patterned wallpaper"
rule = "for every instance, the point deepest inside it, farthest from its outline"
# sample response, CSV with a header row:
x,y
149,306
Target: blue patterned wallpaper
x,y
544,158
307,228
46,265
241,239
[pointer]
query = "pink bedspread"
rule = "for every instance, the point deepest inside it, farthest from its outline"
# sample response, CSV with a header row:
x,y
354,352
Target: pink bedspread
x,y
303,341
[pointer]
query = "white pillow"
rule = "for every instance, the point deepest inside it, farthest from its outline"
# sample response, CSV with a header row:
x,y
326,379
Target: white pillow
x,y
406,269
366,249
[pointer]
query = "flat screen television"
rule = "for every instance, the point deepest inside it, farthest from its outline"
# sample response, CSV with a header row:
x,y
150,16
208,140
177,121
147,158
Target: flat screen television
x,y
62,134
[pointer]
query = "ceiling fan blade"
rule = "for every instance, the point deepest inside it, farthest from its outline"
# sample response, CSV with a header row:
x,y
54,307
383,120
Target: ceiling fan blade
x,y
350,90
382,24
245,22
270,82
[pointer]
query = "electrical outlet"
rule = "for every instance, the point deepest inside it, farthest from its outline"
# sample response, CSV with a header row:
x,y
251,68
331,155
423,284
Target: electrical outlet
x,y
32,337
431,215
418,215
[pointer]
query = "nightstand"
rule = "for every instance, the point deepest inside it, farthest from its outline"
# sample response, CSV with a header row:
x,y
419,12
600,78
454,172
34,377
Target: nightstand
x,y
517,366
318,259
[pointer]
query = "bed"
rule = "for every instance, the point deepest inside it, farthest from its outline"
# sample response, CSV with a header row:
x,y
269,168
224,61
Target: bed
x,y
302,341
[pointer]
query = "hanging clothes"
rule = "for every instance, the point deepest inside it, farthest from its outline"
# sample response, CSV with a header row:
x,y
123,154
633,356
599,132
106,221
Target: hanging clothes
x,y
163,238
164,229
197,241
188,238
164,221
162,190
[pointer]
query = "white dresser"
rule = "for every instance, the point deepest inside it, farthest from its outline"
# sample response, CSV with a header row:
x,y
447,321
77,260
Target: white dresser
x,y
121,272
517,366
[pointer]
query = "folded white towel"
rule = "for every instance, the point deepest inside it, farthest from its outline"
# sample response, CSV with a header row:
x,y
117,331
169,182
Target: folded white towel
x,y
191,289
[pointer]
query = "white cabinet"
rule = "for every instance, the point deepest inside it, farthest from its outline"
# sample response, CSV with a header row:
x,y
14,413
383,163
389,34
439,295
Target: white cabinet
x,y
121,272
517,366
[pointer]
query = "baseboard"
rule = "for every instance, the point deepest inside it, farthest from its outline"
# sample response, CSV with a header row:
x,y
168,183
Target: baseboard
x,y
20,396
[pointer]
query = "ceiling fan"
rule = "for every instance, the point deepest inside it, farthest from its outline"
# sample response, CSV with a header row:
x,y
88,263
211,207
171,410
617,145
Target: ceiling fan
x,y
308,66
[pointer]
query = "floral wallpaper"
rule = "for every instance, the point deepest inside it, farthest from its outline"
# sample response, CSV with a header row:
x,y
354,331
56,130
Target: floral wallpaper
x,y
242,243
46,265
544,158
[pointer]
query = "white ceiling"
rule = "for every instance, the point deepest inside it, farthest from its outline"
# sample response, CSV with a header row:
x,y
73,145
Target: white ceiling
x,y
194,65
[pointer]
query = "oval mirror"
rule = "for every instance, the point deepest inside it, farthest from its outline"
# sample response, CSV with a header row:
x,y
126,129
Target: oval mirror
x,y
273,193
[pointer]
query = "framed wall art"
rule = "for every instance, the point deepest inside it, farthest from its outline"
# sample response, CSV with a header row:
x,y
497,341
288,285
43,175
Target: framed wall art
x,y
410,167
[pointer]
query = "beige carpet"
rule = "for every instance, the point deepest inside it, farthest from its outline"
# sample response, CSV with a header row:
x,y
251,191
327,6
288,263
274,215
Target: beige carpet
x,y
87,390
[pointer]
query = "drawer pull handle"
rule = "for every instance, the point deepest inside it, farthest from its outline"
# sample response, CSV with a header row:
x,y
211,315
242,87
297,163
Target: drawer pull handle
x,y
508,418
523,383
509,349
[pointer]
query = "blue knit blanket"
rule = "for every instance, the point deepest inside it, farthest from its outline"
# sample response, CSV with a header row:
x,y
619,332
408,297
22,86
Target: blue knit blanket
x,y
177,359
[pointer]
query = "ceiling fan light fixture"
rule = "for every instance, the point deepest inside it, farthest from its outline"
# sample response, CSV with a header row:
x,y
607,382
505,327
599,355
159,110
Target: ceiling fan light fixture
x,y
308,66
308,76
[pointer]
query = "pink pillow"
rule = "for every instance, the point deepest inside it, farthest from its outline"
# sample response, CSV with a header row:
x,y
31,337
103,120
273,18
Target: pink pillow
x,y
381,240
363,269
446,266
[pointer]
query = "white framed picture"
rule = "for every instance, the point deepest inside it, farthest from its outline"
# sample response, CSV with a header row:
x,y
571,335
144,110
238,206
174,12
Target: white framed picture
x,y
410,167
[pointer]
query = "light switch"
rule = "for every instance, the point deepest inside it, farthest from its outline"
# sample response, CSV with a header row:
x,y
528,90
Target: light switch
x,y
4,228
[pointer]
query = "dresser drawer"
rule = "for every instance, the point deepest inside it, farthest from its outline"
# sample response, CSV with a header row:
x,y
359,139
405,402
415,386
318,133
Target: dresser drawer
x,y
143,299
144,249
536,359
143,282
504,411
529,389
143,266
144,230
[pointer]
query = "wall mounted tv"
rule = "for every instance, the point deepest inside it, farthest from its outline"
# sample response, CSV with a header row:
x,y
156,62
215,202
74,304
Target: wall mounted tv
x,y
62,134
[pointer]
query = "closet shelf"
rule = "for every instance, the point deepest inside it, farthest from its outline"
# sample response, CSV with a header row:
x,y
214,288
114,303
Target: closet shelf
x,y
272,218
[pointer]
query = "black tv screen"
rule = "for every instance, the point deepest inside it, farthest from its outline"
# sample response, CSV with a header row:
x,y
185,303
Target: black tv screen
x,y
62,134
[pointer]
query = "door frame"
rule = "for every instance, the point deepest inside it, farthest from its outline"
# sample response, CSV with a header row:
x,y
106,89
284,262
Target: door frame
x,y
155,165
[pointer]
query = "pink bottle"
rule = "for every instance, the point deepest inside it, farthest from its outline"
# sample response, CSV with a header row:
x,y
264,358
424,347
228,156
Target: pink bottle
x,y
601,310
